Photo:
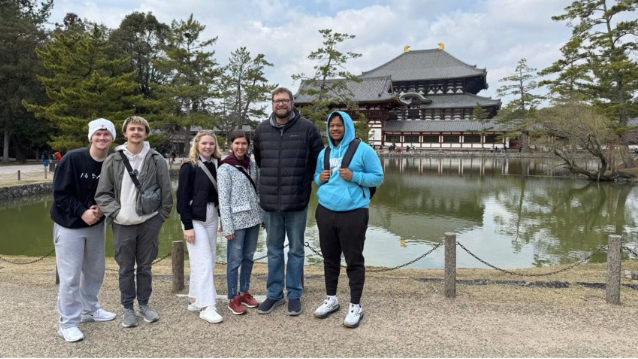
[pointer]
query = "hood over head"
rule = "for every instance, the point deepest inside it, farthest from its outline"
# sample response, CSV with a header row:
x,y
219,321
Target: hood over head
x,y
349,132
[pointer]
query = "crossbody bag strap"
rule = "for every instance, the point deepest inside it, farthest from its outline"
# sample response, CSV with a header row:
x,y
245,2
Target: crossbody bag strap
x,y
130,170
243,170
210,176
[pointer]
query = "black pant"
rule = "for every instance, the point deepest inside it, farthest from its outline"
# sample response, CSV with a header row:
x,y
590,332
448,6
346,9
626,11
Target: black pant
x,y
343,232
136,243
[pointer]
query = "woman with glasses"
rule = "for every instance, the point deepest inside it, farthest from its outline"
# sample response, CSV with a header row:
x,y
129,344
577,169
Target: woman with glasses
x,y
241,216
197,205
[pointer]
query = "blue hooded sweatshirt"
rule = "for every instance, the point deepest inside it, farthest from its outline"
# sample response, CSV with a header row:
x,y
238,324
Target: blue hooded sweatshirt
x,y
338,194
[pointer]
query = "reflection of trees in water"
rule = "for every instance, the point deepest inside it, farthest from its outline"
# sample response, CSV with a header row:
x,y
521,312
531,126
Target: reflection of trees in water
x,y
564,220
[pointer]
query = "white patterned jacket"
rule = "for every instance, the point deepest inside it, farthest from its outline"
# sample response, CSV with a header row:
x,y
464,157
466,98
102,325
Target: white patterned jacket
x,y
238,200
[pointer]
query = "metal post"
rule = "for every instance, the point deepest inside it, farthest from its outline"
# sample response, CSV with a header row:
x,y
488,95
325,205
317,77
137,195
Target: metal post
x,y
450,265
613,269
45,173
178,265
18,175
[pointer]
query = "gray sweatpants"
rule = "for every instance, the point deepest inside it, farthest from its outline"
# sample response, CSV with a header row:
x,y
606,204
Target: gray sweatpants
x,y
79,255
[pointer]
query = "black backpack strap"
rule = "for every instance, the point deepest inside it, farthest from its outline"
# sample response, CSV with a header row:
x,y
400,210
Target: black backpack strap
x,y
347,158
243,170
326,158
130,169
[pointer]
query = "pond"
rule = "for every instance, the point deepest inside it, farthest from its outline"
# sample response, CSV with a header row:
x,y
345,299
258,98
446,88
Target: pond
x,y
502,209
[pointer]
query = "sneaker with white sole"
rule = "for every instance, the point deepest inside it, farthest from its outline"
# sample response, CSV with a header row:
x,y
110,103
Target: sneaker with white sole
x,y
129,319
192,307
148,314
99,315
71,335
355,314
329,306
210,315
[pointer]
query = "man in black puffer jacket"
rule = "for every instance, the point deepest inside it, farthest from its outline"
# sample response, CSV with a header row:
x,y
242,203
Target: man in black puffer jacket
x,y
286,149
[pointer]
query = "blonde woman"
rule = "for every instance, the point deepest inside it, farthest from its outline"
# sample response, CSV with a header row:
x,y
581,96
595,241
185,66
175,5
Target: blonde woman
x,y
197,205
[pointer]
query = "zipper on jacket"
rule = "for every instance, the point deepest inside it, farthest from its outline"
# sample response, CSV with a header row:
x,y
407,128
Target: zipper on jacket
x,y
281,148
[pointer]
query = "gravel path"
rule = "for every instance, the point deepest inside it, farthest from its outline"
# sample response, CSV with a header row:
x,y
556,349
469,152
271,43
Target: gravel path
x,y
404,318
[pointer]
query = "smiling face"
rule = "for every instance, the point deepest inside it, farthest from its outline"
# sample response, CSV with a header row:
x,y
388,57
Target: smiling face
x,y
239,147
206,146
101,140
135,133
282,105
336,129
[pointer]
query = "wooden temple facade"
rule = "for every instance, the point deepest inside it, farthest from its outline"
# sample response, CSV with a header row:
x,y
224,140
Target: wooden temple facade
x,y
423,99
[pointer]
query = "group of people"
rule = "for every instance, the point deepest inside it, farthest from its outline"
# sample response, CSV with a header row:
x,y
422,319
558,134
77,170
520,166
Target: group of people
x,y
130,189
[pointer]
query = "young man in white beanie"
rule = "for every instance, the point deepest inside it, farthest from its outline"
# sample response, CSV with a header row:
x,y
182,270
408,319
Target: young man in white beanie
x,y
79,232
137,200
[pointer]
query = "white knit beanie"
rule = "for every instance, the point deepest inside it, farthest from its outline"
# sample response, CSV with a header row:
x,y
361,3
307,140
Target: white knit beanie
x,y
101,124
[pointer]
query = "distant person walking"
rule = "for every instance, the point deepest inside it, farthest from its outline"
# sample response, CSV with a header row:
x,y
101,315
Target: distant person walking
x,y
286,149
342,213
198,207
241,217
79,232
134,193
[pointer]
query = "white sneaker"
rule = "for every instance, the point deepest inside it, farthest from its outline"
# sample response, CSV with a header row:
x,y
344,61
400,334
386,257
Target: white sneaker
x,y
191,306
72,334
329,306
99,315
355,314
210,315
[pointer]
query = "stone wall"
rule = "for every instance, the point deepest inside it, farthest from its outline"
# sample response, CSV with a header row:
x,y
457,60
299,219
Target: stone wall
x,y
7,193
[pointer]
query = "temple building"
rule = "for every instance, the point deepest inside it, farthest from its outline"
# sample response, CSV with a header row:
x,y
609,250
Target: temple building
x,y
423,99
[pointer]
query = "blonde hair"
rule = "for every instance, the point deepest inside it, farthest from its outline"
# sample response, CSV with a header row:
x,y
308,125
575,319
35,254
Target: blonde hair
x,y
138,121
193,155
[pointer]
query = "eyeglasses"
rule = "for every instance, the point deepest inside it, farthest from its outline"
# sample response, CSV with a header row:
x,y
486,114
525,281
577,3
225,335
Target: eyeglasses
x,y
284,100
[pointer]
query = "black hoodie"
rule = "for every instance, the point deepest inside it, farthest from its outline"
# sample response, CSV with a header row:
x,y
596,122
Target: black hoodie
x,y
74,185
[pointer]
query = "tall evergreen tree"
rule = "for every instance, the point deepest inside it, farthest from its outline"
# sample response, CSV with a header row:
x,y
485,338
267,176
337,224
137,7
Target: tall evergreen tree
x,y
193,73
245,89
21,32
516,114
331,65
603,45
82,84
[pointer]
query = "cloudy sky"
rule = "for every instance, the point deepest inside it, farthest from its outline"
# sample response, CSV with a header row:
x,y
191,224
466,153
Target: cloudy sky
x,y
492,34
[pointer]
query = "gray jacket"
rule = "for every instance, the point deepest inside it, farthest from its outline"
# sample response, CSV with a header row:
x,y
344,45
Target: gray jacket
x,y
154,170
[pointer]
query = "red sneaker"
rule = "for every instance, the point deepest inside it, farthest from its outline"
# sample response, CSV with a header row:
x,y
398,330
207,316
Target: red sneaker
x,y
248,300
235,306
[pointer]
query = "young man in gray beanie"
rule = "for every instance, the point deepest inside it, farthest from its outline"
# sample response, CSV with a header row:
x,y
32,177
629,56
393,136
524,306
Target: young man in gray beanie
x,y
79,232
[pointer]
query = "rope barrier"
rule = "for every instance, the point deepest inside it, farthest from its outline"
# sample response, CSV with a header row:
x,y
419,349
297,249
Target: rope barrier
x,y
27,262
531,275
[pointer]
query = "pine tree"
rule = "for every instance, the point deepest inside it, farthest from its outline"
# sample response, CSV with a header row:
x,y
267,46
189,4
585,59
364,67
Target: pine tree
x,y
82,84
331,66
21,32
245,89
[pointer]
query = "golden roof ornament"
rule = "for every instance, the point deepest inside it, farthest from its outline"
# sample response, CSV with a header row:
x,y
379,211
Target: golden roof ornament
x,y
406,48
441,46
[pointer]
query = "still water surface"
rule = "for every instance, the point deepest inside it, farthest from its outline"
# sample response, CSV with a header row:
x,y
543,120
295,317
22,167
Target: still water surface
x,y
500,209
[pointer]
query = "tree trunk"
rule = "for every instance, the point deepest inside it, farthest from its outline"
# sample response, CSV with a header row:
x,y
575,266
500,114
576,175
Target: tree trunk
x,y
5,150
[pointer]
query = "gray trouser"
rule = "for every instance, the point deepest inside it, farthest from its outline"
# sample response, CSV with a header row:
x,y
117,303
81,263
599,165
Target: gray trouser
x,y
79,256
133,244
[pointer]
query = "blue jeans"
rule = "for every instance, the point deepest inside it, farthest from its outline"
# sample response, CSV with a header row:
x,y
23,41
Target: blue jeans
x,y
240,252
278,225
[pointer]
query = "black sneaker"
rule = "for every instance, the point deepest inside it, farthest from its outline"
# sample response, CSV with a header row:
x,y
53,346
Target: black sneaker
x,y
269,304
294,306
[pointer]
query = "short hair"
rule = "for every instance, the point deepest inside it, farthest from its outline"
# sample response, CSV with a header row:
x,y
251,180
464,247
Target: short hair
x,y
239,134
333,115
279,90
138,120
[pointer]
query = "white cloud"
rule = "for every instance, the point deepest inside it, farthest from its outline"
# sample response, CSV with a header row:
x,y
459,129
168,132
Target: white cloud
x,y
492,34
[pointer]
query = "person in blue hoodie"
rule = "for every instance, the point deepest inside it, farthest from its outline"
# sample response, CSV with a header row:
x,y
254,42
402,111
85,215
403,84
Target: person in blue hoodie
x,y
342,213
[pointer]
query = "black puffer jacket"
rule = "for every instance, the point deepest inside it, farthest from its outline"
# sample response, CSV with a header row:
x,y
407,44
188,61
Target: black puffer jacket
x,y
287,157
